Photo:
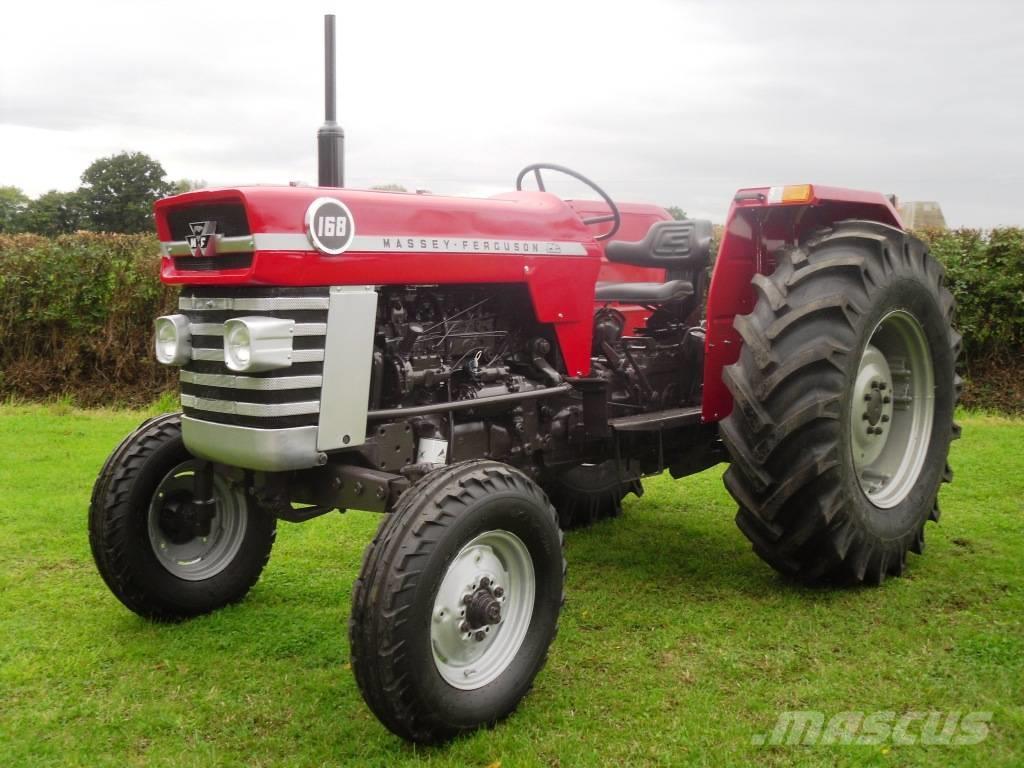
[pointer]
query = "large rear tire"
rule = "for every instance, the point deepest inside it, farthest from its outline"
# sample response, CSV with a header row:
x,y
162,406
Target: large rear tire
x,y
844,396
146,551
457,601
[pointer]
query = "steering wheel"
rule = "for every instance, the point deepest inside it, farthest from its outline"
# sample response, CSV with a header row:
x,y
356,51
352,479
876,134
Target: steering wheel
x,y
615,217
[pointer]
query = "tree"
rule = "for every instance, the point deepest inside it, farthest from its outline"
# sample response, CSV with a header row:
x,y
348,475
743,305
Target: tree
x,y
12,205
53,213
676,212
118,192
186,185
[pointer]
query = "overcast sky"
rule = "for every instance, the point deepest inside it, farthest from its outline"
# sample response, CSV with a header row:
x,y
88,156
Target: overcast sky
x,y
666,101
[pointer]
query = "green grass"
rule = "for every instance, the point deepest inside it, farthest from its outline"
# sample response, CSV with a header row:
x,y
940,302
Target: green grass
x,y
677,644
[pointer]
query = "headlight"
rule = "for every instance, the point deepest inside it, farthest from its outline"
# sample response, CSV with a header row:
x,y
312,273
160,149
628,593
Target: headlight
x,y
173,342
237,346
258,343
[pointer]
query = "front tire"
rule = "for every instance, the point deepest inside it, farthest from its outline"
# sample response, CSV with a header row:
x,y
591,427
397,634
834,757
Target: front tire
x,y
147,555
457,601
844,395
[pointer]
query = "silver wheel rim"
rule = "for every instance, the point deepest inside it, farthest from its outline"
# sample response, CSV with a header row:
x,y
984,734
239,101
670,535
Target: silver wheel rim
x,y
893,409
201,557
469,655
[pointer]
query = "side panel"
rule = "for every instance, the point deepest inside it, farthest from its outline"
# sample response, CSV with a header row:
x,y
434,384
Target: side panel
x,y
754,231
348,357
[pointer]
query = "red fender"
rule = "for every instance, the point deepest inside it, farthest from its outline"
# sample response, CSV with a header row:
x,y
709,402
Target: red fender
x,y
761,220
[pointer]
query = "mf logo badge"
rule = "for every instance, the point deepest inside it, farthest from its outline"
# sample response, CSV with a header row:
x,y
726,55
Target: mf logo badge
x,y
330,226
203,240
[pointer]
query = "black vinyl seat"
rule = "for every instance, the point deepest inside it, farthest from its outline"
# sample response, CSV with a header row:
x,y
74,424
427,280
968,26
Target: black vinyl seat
x,y
683,248
644,293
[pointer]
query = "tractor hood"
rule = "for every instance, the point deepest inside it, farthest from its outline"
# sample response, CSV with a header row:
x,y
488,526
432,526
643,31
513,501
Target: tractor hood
x,y
330,236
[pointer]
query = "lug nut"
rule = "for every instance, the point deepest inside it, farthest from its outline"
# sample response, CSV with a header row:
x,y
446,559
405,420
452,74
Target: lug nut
x,y
499,591
867,398
874,385
464,626
886,399
884,418
485,583
882,385
480,635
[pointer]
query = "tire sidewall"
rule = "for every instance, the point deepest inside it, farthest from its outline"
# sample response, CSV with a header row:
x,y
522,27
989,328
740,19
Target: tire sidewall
x,y
911,292
531,521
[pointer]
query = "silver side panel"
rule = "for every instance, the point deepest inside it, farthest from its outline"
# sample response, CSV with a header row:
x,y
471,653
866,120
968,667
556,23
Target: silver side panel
x,y
266,450
351,318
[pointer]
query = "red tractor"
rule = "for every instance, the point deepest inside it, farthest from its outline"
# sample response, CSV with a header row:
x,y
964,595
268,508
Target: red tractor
x,y
489,372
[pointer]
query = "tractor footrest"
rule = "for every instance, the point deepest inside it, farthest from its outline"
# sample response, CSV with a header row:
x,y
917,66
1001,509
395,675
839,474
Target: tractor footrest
x,y
658,420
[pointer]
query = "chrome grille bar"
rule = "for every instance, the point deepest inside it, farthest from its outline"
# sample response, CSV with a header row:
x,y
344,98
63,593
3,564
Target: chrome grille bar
x,y
251,382
298,355
217,329
251,304
259,410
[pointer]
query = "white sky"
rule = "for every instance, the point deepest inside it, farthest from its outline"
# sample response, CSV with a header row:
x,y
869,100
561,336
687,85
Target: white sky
x,y
678,103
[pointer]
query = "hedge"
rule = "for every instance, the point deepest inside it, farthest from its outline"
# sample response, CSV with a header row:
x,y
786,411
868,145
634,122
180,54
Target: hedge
x,y
76,315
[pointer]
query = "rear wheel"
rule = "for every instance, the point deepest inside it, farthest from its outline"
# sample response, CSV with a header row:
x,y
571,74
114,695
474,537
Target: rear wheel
x,y
844,395
457,601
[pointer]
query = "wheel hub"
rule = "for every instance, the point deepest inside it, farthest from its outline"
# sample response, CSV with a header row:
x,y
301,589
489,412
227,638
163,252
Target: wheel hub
x,y
482,609
181,520
195,541
891,409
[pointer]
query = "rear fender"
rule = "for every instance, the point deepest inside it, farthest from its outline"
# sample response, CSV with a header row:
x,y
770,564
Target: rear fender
x,y
759,223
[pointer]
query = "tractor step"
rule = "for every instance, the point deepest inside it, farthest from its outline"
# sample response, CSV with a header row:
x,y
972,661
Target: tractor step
x,y
658,420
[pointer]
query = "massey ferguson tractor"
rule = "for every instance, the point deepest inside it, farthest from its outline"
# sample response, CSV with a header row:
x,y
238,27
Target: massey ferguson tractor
x,y
487,373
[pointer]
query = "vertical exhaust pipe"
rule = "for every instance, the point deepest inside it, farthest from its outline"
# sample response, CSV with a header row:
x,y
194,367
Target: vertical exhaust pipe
x,y
330,138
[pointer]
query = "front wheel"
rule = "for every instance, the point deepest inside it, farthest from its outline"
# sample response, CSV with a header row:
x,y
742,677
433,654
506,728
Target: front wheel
x,y
457,602
155,557
844,396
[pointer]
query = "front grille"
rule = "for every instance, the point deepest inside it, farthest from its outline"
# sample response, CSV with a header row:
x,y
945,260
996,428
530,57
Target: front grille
x,y
286,397
211,263
230,217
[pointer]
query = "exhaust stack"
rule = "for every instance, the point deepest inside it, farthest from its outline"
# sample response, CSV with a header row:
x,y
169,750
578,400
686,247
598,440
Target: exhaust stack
x,y
330,138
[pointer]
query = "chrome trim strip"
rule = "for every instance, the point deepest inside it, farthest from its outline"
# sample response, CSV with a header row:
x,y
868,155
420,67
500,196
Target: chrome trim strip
x,y
243,244
264,450
250,382
413,243
298,355
199,304
217,329
257,410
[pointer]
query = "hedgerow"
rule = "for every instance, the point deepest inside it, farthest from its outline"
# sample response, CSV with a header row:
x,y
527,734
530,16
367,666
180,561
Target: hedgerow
x,y
76,315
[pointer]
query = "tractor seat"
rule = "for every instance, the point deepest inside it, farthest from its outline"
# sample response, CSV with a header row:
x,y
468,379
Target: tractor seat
x,y
673,245
644,293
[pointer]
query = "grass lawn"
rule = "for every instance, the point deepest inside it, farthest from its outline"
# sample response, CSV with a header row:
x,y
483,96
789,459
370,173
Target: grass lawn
x,y
677,644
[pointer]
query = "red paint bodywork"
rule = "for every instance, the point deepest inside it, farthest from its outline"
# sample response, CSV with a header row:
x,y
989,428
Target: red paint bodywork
x,y
561,286
754,230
